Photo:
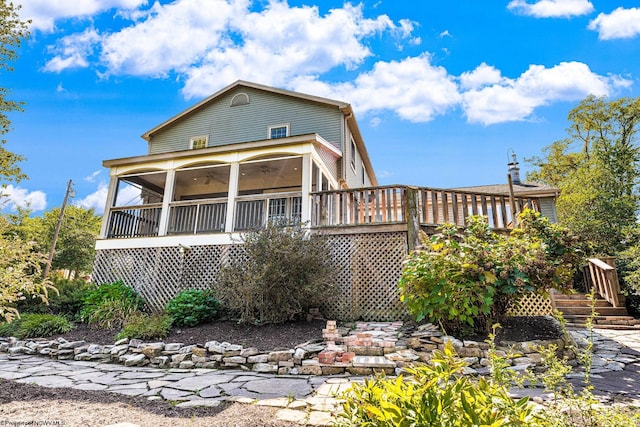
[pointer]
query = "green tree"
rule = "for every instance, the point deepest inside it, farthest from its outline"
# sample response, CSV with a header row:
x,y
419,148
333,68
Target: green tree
x,y
597,168
75,246
12,32
20,271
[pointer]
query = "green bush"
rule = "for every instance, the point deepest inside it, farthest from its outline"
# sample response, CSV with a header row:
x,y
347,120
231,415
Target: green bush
x,y
283,274
113,313
107,293
433,395
468,279
193,307
145,327
67,301
36,325
9,329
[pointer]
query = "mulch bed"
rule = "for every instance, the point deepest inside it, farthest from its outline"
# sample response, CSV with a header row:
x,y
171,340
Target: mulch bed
x,y
264,337
288,335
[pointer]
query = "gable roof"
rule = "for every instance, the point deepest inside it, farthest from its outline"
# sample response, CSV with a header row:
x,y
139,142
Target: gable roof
x,y
343,106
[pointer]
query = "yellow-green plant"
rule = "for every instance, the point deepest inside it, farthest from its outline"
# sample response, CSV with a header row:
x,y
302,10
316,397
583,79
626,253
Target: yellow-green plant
x,y
433,395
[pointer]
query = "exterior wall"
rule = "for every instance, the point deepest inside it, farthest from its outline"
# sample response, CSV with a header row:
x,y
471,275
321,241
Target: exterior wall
x,y
354,167
250,122
548,208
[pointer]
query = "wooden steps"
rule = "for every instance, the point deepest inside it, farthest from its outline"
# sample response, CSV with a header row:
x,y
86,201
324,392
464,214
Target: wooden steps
x,y
576,309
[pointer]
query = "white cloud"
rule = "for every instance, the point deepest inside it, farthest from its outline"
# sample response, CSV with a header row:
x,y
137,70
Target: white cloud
x,y
483,75
92,177
44,13
551,8
95,200
619,24
13,197
220,41
413,88
73,51
516,99
302,43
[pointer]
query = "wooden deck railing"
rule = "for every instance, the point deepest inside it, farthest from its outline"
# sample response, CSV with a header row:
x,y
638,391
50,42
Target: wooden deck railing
x,y
134,221
201,216
394,204
255,211
604,279
375,205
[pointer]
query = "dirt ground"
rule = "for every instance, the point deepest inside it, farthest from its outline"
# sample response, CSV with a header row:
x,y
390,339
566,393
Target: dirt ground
x,y
27,404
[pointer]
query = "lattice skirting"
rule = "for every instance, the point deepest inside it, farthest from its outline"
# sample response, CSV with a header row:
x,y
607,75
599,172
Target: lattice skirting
x,y
368,267
533,305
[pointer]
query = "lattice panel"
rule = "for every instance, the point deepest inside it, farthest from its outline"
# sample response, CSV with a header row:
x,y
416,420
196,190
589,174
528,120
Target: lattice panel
x,y
533,305
368,267
158,274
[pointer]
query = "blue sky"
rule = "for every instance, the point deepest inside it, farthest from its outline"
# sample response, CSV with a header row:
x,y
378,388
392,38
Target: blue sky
x,y
442,89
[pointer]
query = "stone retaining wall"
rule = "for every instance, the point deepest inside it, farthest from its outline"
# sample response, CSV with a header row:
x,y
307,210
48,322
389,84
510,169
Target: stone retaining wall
x,y
362,349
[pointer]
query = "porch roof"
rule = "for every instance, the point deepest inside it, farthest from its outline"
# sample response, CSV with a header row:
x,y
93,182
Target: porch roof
x,y
523,189
245,146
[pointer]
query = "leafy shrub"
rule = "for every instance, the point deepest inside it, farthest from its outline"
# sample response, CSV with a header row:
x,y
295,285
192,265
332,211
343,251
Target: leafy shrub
x,y
468,280
193,307
68,301
113,313
283,274
36,325
145,327
437,394
9,329
107,293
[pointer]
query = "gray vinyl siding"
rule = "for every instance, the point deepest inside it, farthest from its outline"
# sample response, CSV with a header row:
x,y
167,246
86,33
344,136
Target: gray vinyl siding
x,y
244,123
548,208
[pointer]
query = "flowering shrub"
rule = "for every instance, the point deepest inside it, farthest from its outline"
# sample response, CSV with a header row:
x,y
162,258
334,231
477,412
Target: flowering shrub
x,y
467,279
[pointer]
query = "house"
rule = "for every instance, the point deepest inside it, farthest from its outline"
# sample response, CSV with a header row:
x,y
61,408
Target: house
x,y
245,155
250,154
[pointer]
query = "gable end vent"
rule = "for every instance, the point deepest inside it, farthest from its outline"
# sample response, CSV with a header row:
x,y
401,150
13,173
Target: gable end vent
x,y
240,99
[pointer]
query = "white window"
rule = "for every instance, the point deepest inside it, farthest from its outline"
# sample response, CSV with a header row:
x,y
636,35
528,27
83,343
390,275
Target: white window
x,y
278,131
353,155
364,175
198,142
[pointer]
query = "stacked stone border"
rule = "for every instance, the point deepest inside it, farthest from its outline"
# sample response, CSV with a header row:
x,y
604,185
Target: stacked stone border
x,y
358,349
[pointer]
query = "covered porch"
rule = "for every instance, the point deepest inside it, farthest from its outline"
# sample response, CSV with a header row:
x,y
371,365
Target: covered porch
x,y
210,191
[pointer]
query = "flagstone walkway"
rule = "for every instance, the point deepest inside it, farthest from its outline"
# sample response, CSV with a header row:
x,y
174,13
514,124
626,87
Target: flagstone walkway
x,y
303,399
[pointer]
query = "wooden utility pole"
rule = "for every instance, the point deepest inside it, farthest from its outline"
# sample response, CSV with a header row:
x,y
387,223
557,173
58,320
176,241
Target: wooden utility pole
x,y
55,233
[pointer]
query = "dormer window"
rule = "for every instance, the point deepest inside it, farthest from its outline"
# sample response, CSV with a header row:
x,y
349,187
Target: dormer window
x,y
198,142
278,131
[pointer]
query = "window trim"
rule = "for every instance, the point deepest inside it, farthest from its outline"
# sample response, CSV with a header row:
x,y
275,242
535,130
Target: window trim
x,y
281,125
195,138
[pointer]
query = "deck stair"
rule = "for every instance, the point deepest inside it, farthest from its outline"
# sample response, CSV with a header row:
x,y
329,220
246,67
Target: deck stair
x,y
576,309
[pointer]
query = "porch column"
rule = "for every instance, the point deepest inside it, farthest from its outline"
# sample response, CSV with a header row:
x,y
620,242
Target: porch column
x,y
307,168
234,170
111,194
166,200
